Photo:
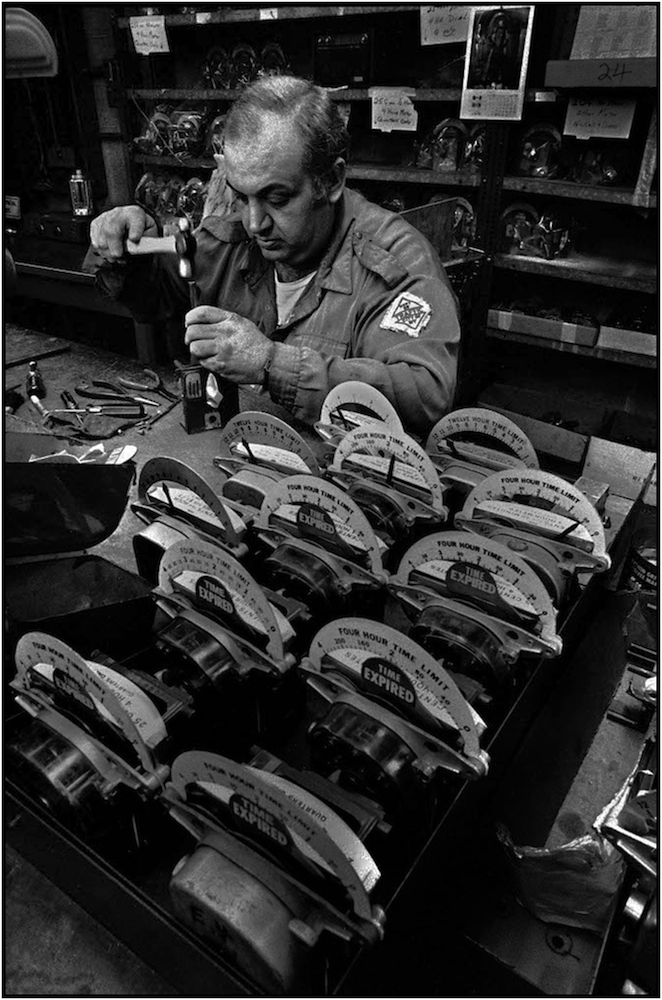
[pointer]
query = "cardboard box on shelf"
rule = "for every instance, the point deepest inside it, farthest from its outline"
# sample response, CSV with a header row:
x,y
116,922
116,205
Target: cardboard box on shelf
x,y
615,338
547,329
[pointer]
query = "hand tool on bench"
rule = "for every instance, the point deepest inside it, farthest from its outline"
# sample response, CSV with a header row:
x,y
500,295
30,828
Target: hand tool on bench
x,y
36,402
130,410
152,383
102,389
71,404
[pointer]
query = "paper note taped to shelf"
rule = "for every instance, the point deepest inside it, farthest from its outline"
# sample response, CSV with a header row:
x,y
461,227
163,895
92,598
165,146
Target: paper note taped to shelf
x,y
503,319
599,117
442,24
268,13
393,109
149,34
612,31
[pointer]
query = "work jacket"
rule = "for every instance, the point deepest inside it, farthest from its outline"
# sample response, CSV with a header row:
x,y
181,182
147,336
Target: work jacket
x,y
379,309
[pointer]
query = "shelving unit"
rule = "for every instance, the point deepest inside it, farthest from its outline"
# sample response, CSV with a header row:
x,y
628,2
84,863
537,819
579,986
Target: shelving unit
x,y
275,13
611,261
356,171
597,353
579,192
339,94
590,268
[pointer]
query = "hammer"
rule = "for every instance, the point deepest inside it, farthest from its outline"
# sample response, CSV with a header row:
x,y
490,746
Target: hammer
x,y
182,243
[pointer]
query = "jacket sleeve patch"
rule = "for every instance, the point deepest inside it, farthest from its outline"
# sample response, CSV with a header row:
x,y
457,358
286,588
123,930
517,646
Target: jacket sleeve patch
x,y
407,314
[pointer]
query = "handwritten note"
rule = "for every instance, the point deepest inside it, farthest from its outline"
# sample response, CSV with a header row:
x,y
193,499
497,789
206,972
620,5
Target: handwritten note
x,y
149,34
600,118
393,109
268,13
444,23
611,31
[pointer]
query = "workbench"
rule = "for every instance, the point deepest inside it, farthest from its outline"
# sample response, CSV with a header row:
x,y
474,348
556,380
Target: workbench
x,y
48,271
445,897
78,363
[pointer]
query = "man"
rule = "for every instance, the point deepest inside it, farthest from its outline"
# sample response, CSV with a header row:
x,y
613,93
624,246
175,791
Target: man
x,y
314,285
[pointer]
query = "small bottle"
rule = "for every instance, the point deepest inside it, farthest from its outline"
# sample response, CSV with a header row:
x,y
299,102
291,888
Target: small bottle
x,y
80,189
34,383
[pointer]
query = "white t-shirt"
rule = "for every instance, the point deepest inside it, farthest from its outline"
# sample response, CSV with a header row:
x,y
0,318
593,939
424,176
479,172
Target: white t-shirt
x,y
288,294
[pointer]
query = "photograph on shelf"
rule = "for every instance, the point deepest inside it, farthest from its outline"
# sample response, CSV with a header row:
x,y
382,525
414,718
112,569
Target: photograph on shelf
x,y
496,63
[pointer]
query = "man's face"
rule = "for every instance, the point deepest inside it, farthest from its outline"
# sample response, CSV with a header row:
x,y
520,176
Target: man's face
x,y
290,221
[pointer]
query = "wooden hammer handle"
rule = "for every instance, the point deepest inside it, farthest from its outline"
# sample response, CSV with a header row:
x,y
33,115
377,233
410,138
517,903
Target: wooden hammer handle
x,y
151,245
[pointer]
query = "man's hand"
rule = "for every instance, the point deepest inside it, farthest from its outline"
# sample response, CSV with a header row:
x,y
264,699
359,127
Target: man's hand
x,y
227,344
110,231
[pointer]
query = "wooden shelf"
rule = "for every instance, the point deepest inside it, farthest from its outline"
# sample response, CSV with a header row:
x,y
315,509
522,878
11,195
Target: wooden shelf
x,y
193,163
581,192
290,12
200,94
599,353
589,268
181,94
470,257
412,175
355,171
420,94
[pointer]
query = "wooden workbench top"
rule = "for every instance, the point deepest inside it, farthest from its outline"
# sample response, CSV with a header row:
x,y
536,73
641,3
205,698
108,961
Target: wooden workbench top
x,y
167,438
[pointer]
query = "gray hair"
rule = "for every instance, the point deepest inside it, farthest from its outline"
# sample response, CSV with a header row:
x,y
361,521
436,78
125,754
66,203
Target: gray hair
x,y
315,115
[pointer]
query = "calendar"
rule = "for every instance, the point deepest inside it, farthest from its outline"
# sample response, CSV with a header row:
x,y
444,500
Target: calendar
x,y
496,63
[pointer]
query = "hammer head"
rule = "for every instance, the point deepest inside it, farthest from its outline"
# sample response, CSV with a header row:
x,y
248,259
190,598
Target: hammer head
x,y
185,247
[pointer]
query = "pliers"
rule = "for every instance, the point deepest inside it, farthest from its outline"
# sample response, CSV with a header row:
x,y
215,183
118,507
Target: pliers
x,y
103,390
153,384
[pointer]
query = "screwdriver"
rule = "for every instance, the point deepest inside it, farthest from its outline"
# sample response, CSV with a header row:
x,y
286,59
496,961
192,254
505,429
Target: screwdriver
x,y
38,406
129,410
71,404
